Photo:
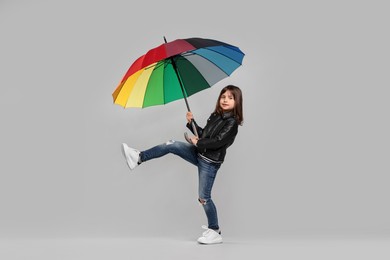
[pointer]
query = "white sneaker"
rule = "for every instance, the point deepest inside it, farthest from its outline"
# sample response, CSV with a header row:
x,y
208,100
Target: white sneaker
x,y
210,236
131,155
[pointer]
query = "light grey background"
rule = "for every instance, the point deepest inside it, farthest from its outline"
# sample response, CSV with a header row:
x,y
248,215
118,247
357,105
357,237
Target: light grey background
x,y
311,159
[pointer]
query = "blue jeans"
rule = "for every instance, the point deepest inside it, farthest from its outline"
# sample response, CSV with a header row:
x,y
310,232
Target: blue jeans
x,y
207,171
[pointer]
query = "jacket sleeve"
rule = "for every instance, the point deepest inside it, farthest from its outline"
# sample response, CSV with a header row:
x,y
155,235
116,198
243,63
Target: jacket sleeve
x,y
225,136
198,128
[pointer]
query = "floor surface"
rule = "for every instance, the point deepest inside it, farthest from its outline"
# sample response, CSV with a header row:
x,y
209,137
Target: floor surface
x,y
173,248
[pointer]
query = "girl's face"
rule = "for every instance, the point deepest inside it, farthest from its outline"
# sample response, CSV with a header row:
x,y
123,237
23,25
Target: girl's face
x,y
226,101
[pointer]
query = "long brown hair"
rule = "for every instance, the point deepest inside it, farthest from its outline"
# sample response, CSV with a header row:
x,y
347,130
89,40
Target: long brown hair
x,y
237,110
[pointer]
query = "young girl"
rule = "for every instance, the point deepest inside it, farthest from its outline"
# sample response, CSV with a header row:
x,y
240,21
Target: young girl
x,y
207,152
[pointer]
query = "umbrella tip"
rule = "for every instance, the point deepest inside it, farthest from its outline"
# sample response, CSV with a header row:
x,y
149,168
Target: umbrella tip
x,y
165,39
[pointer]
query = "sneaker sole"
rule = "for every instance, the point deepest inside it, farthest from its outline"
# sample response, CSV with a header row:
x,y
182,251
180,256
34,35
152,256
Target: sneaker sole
x,y
212,243
124,148
219,241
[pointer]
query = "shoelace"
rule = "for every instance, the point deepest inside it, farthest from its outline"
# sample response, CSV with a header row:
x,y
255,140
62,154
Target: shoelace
x,y
208,230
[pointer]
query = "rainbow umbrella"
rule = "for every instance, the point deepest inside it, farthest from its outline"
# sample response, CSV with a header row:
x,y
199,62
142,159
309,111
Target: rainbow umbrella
x,y
176,70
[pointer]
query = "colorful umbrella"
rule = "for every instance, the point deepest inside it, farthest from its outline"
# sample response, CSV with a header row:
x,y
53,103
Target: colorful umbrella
x,y
176,70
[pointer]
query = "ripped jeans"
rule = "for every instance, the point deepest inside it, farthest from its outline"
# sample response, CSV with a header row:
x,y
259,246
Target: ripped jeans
x,y
207,172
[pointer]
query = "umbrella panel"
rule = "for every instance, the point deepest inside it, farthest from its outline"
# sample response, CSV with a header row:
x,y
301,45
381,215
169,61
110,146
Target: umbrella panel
x,y
164,86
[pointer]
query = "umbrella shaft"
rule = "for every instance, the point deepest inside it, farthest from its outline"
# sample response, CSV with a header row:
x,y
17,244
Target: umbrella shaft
x,y
181,84
178,77
194,128
184,94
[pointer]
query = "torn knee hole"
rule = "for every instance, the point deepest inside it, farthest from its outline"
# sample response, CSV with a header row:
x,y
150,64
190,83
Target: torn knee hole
x,y
170,142
202,201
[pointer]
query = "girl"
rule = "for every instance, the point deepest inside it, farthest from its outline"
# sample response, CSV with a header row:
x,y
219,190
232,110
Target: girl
x,y
207,152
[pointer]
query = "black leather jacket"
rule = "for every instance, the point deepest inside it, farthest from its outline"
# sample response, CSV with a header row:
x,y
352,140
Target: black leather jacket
x,y
218,134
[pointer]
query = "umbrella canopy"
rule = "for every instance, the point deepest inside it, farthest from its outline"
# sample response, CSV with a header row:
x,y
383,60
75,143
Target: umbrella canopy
x,y
176,70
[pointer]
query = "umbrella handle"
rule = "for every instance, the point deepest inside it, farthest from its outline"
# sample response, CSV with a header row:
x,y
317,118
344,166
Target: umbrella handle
x,y
194,128
187,138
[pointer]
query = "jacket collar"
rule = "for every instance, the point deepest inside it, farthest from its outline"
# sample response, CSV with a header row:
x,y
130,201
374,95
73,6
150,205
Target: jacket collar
x,y
227,114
